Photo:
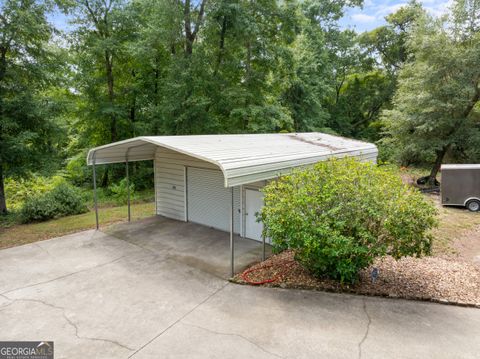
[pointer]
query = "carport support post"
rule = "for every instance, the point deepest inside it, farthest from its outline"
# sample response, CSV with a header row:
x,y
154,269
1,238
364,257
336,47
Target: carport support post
x,y
128,187
263,249
232,250
95,191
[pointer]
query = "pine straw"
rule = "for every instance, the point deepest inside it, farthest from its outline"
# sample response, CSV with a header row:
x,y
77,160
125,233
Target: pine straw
x,y
442,280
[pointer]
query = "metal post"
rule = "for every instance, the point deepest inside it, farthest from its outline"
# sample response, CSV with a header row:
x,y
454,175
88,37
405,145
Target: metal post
x,y
128,187
232,249
263,250
95,190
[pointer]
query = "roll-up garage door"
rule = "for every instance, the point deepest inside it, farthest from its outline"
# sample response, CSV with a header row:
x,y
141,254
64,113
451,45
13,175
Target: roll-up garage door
x,y
208,201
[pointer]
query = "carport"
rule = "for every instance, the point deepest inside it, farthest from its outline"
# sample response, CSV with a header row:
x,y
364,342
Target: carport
x,y
215,180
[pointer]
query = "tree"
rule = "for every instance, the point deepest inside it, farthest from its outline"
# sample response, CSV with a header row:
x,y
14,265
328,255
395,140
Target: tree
x,y
361,99
100,37
387,43
436,104
27,68
104,75
323,57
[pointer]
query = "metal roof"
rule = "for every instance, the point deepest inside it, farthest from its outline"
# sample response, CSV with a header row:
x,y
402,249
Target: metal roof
x,y
243,158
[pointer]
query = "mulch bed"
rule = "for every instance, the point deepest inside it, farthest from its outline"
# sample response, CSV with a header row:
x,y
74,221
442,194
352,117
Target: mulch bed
x,y
442,280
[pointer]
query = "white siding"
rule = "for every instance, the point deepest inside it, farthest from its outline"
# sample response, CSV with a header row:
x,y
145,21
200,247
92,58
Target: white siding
x,y
170,181
209,202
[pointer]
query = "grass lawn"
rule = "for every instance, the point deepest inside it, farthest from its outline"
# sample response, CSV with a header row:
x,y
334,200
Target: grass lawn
x,y
455,224
19,234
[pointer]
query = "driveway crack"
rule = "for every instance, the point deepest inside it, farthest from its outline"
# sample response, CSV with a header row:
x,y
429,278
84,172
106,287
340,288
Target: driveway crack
x,y
367,330
70,322
179,319
234,335
43,249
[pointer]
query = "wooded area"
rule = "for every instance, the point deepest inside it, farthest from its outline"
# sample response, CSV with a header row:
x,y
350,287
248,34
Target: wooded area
x,y
166,67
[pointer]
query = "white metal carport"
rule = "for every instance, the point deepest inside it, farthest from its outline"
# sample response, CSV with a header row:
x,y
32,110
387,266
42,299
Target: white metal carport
x,y
239,159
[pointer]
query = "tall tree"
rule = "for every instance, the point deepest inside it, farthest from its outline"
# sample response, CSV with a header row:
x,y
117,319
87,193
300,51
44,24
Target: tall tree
x,y
27,65
99,39
435,109
387,44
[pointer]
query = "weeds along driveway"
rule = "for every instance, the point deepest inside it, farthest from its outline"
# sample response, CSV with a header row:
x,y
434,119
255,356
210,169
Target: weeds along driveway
x,y
145,291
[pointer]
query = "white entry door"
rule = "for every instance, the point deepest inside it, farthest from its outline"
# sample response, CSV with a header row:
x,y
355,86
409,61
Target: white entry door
x,y
253,205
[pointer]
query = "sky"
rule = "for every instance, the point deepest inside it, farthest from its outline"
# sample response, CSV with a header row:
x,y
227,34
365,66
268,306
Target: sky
x,y
373,12
370,16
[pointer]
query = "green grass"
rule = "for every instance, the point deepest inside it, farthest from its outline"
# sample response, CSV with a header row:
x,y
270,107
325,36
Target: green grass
x,y
12,234
454,224
106,199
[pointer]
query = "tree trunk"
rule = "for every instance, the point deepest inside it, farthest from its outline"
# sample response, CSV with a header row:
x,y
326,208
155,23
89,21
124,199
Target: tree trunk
x,y
188,28
133,107
3,202
221,45
105,179
191,35
436,166
3,63
111,94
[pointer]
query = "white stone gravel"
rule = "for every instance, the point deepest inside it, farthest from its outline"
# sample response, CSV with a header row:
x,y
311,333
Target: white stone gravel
x,y
442,280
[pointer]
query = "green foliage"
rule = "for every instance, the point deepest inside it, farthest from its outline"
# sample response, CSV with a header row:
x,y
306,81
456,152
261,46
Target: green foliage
x,y
30,138
63,200
119,191
341,214
17,191
436,106
167,67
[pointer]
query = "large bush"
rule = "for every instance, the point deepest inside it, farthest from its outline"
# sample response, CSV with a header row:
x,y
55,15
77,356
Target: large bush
x,y
341,214
63,200
19,190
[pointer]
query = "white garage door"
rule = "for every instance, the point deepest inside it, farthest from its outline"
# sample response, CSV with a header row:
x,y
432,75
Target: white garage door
x,y
209,201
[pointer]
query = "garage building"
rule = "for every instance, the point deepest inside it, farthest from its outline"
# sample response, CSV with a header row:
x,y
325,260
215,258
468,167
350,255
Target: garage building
x,y
215,180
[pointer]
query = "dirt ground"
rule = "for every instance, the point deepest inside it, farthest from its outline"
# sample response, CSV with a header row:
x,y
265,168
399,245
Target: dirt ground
x,y
458,233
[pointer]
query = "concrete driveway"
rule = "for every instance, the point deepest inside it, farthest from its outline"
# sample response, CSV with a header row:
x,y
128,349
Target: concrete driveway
x,y
156,289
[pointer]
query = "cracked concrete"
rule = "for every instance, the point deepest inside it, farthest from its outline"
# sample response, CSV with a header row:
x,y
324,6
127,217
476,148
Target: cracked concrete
x,y
235,335
70,322
367,329
157,288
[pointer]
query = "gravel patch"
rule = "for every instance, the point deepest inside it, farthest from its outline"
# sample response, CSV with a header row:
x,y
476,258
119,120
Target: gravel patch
x,y
434,279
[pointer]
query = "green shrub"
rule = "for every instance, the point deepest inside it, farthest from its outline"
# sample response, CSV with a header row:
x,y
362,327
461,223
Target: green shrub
x,y
341,214
119,191
63,200
18,190
37,208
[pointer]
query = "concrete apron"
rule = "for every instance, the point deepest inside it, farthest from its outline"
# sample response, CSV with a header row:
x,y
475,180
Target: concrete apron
x,y
136,292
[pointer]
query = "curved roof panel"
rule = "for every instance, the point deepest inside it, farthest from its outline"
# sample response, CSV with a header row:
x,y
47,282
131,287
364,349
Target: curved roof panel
x,y
243,158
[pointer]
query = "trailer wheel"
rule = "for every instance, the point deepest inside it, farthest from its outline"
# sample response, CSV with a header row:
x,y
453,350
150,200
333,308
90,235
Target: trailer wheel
x,y
473,205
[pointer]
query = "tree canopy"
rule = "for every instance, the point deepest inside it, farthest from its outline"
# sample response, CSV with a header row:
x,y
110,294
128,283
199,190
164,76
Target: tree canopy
x,y
163,67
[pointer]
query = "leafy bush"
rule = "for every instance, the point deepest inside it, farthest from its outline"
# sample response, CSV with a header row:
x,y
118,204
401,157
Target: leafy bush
x,y
18,190
63,200
341,214
119,191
